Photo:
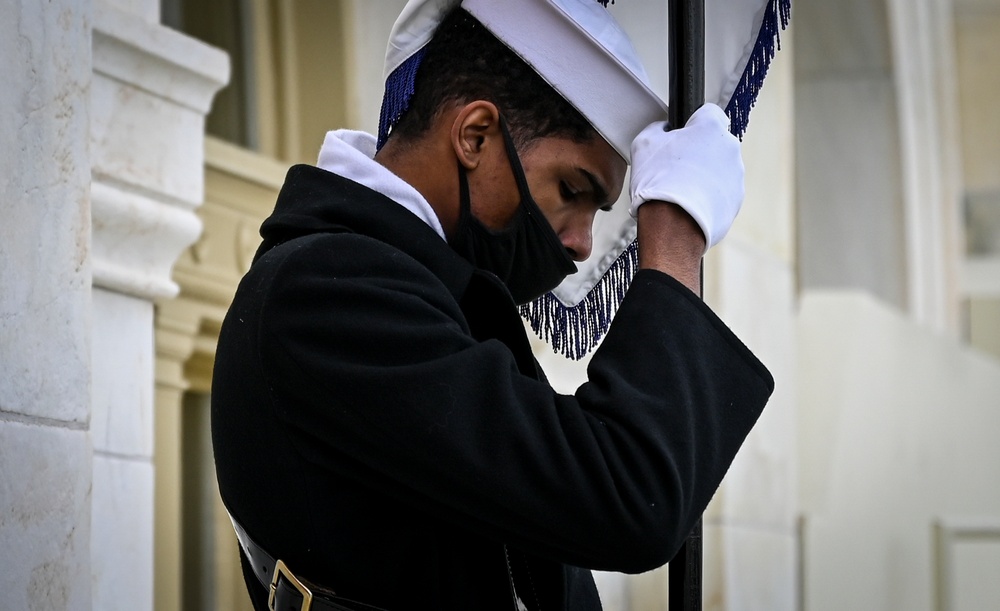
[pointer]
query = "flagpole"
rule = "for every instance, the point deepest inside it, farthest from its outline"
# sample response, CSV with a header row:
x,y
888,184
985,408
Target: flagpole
x,y
686,48
686,40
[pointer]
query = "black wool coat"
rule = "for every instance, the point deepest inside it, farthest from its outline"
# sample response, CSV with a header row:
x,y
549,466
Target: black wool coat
x,y
380,424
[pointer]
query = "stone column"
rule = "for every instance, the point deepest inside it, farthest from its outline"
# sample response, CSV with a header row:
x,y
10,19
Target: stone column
x,y
45,450
151,90
925,67
176,330
851,212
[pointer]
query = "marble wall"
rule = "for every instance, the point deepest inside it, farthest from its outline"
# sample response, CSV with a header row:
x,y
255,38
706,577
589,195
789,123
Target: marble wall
x,y
898,433
897,418
45,310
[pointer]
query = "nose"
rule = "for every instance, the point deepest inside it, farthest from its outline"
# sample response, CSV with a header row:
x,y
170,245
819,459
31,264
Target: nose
x,y
578,239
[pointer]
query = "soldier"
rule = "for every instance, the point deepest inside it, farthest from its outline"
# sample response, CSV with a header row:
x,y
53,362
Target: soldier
x,y
384,438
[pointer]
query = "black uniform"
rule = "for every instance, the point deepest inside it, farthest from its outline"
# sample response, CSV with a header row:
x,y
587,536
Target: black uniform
x,y
381,425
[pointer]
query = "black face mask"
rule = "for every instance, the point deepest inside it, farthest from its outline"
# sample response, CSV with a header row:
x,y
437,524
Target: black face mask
x,y
527,255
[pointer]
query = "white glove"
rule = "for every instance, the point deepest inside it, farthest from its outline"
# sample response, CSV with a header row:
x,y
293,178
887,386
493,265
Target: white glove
x,y
697,167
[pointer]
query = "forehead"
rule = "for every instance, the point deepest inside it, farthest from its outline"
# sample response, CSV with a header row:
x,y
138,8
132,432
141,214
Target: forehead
x,y
594,156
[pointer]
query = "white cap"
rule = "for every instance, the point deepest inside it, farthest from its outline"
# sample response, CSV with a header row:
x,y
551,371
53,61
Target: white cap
x,y
574,45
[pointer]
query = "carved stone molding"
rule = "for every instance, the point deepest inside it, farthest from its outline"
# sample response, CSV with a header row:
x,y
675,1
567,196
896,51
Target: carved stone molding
x,y
136,241
157,59
151,90
241,187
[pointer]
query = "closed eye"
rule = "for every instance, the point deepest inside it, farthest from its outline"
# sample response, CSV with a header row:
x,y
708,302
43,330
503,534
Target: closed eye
x,y
598,192
567,192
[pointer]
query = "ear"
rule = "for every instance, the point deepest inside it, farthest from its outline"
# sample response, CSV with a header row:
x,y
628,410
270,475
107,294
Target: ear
x,y
476,124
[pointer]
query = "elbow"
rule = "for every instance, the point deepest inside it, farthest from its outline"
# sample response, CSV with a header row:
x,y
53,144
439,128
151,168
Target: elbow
x,y
646,544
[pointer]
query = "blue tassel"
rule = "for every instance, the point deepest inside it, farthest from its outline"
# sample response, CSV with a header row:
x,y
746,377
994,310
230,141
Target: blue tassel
x,y
399,88
768,41
573,331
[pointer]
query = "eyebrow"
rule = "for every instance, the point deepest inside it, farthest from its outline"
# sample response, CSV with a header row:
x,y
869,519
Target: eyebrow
x,y
600,191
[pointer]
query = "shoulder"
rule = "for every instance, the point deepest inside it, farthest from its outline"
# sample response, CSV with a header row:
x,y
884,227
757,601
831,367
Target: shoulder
x,y
339,259
350,272
342,251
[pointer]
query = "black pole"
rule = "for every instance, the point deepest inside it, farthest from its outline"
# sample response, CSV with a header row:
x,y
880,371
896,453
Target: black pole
x,y
687,94
687,59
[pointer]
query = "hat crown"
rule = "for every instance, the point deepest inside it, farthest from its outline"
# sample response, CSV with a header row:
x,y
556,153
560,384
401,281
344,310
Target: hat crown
x,y
593,17
576,46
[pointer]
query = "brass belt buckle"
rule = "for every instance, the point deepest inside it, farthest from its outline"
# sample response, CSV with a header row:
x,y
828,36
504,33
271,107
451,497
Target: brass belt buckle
x,y
281,570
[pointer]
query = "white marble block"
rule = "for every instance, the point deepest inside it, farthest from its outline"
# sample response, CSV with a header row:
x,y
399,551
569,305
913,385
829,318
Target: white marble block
x,y
44,517
44,210
45,464
122,534
122,422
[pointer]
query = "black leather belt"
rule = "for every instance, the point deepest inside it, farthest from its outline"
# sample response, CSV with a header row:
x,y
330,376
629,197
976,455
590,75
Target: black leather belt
x,y
286,592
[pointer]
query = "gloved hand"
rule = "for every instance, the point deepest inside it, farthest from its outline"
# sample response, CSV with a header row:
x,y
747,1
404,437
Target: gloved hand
x,y
698,167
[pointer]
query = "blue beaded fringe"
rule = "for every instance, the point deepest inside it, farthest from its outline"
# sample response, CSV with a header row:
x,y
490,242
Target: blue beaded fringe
x,y
768,41
574,330
399,88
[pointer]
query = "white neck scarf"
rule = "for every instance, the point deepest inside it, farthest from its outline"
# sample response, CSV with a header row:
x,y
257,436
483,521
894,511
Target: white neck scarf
x,y
351,154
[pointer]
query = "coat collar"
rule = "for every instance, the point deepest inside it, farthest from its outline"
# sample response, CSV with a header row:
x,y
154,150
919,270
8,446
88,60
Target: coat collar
x,y
316,201
351,154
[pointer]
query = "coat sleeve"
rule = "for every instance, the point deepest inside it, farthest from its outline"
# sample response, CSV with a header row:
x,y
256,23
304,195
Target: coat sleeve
x,y
375,375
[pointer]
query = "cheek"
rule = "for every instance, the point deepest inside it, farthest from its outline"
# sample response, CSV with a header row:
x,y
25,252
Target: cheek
x,y
556,211
494,196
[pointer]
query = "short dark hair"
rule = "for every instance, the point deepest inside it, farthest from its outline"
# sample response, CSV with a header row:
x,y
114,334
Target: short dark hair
x,y
465,62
